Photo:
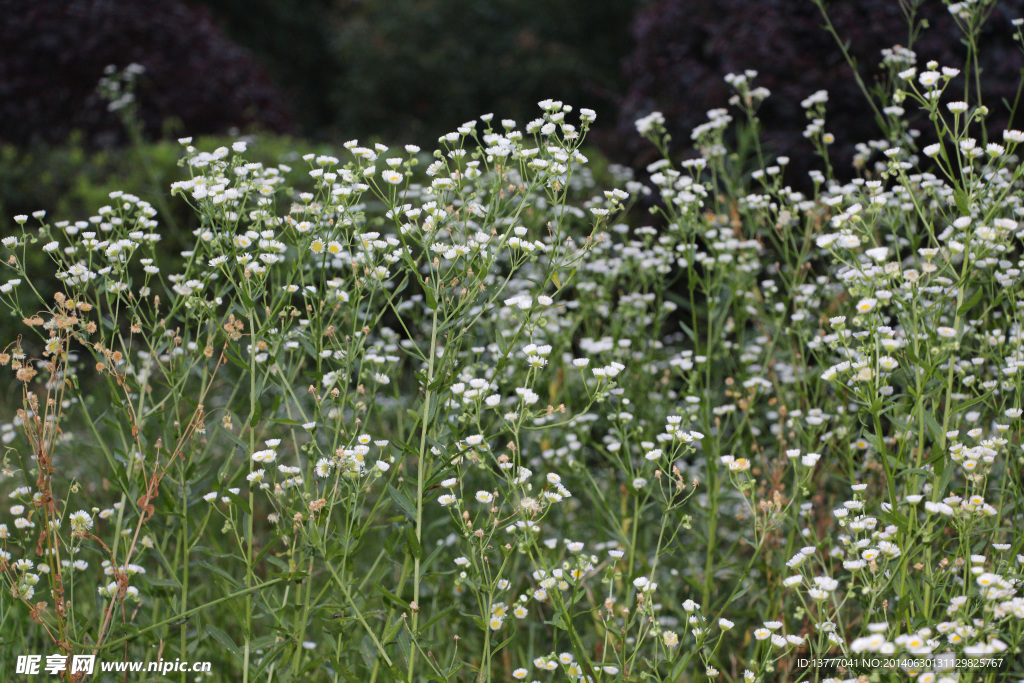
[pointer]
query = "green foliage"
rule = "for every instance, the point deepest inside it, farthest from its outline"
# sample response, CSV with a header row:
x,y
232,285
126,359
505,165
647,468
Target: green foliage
x,y
294,42
415,66
71,180
408,69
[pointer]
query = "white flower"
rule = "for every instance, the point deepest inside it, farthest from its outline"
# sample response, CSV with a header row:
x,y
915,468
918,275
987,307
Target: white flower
x,y
866,305
264,456
484,496
879,254
392,177
648,123
323,467
81,521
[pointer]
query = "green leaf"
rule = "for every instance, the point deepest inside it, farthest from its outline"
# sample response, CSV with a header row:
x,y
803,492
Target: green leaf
x,y
933,427
403,502
438,381
404,649
392,630
235,440
257,412
266,549
412,545
437,617
368,652
969,404
230,580
391,597
969,304
239,501
224,639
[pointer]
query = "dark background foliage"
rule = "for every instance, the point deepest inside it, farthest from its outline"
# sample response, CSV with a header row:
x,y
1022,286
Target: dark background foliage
x,y
437,63
684,47
411,70
53,52
415,69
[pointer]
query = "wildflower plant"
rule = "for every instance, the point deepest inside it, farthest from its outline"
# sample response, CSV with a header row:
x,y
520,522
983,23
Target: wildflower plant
x,y
464,415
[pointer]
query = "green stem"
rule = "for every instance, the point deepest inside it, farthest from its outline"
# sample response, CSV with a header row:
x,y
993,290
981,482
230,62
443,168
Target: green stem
x,y
253,405
420,477
183,615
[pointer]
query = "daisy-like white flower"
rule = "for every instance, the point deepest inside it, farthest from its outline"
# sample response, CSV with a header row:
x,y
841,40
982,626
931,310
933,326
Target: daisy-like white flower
x,y
866,305
81,522
265,456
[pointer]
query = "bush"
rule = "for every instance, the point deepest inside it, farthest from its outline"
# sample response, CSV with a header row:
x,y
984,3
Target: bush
x,y
72,179
411,67
295,43
54,52
683,48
